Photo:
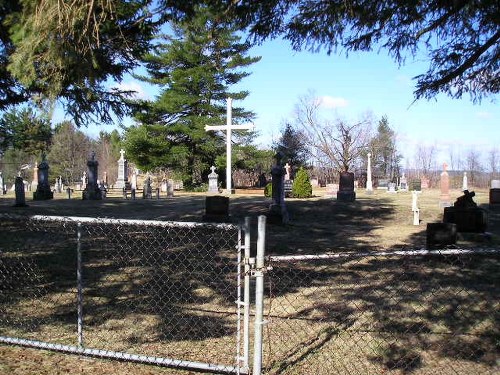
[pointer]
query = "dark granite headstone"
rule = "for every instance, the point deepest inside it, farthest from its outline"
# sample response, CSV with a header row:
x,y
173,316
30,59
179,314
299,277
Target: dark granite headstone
x,y
92,190
441,234
383,184
19,190
216,208
346,187
466,215
278,213
43,191
494,196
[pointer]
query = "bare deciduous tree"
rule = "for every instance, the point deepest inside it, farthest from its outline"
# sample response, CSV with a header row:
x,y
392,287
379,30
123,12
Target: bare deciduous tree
x,y
473,165
426,158
336,143
494,161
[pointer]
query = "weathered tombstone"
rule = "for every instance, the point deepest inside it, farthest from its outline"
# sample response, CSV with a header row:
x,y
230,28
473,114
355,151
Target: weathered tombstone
x,y
444,198
414,207
391,187
43,191
314,182
132,194
278,213
441,234
216,208
403,183
19,189
170,188
68,191
346,191
466,215
287,171
122,180
383,184
213,181
164,186
84,180
464,182
59,184
157,193
2,188
147,190
287,187
369,183
92,191
34,182
495,193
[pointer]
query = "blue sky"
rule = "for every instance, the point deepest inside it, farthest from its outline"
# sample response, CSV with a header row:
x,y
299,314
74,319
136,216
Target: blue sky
x,y
357,84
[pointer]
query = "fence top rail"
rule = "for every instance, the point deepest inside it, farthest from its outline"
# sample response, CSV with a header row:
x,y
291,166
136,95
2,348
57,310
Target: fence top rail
x,y
421,252
158,223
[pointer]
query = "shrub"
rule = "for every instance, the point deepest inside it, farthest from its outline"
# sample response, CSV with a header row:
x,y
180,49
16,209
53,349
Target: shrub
x,y
268,190
301,187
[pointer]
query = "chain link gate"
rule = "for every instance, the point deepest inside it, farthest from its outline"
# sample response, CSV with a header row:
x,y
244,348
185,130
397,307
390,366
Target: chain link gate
x,y
167,293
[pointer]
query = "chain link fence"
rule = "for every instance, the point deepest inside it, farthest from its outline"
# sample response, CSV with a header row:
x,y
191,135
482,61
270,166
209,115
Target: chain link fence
x,y
157,292
417,312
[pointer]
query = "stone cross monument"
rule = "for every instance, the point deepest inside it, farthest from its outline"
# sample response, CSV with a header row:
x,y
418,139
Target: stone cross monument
x,y
228,128
122,180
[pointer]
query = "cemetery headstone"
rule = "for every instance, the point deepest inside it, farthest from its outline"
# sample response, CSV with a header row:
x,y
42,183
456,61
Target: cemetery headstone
x,y
495,193
213,181
403,183
2,188
92,190
34,182
147,190
391,187
414,207
170,188
314,182
383,184
122,180
439,235
19,190
332,189
464,182
216,208
346,191
84,180
278,213
444,198
43,191
369,183
164,186
287,187
467,216
287,171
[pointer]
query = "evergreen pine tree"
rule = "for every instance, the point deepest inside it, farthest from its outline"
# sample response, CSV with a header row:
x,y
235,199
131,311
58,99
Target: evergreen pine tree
x,y
194,68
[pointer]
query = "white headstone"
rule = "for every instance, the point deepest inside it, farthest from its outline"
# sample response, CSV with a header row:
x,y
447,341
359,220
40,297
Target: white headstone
x,y
464,182
287,171
213,183
414,207
369,183
495,184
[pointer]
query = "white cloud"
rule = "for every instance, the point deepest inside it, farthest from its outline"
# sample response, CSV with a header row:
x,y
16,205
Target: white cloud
x,y
333,102
484,115
139,91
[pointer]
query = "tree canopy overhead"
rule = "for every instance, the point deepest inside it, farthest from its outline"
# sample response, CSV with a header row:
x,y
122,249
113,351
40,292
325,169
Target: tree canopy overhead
x,y
460,37
69,50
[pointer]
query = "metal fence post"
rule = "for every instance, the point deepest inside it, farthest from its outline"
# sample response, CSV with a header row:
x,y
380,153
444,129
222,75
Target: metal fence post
x,y
79,285
246,296
259,296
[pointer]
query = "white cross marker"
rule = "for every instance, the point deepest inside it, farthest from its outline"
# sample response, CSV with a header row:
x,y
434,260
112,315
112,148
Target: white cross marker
x,y
122,154
228,127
